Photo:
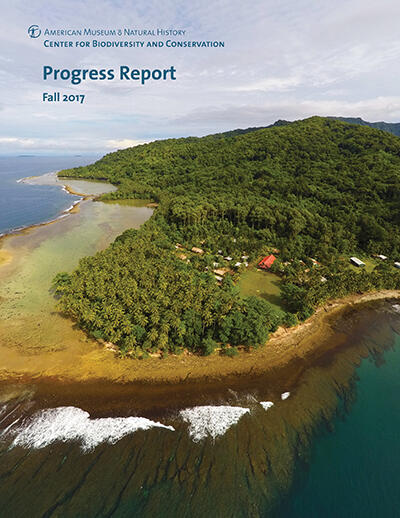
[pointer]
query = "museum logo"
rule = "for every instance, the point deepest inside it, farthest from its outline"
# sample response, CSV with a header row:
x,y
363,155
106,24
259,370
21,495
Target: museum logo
x,y
34,31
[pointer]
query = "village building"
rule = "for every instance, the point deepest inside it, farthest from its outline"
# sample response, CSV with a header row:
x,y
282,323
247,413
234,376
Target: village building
x,y
397,265
357,262
197,250
267,262
220,271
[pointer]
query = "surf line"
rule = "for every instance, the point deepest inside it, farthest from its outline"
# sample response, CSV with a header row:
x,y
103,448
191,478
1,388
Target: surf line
x,y
71,209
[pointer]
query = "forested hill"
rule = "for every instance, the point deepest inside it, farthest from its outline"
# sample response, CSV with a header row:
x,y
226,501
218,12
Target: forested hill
x,y
390,127
317,188
314,187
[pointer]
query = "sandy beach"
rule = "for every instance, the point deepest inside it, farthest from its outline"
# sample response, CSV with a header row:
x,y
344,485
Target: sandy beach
x,y
83,359
66,353
5,257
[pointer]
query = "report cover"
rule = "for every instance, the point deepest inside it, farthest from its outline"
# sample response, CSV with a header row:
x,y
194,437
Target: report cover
x,y
199,258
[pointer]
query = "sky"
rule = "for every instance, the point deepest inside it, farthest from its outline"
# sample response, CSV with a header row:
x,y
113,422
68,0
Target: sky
x,y
282,59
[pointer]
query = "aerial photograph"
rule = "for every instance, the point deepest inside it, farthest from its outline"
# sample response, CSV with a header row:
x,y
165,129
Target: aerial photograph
x,y
199,259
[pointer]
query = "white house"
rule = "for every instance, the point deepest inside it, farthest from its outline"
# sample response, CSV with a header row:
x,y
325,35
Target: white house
x,y
356,261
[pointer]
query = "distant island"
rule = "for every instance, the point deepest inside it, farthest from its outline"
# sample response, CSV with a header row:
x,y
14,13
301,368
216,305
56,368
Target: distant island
x,y
252,229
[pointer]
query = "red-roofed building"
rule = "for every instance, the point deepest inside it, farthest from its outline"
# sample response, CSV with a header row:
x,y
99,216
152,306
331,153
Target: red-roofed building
x,y
267,262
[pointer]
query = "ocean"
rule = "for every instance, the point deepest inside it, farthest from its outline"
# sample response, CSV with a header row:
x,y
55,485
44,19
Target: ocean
x,y
21,204
327,448
316,438
353,469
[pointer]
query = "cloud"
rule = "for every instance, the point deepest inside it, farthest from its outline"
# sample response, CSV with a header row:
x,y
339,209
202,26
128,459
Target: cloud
x,y
264,114
123,143
271,84
21,142
67,144
287,59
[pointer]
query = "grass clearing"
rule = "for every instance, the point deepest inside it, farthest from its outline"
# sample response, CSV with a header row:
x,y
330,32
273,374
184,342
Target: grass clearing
x,y
370,264
261,284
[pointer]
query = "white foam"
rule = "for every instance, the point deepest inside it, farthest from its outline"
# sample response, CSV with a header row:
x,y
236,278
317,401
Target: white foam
x,y
70,423
67,211
285,395
44,179
211,421
396,308
9,413
266,404
4,432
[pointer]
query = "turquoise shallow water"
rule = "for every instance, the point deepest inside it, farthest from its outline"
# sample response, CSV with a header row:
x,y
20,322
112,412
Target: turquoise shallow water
x,y
304,457
354,471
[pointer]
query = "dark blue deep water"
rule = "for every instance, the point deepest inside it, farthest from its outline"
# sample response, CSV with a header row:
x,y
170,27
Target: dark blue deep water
x,y
22,205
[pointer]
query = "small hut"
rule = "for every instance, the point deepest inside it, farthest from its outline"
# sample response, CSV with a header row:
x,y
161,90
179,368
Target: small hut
x,y
357,262
267,262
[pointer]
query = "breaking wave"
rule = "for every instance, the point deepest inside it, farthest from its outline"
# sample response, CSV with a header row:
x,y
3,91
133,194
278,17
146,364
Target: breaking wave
x,y
212,421
266,404
71,423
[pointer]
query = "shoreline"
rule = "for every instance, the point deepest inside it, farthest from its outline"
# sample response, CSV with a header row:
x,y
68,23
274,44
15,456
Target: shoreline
x,y
305,342
284,346
73,209
86,360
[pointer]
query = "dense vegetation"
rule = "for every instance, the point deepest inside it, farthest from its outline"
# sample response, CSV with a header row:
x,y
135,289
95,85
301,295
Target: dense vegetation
x,y
390,127
315,188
